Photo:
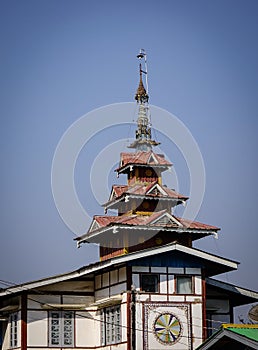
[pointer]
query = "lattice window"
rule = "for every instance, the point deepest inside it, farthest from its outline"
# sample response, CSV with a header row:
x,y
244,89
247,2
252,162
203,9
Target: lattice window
x,y
111,325
13,330
61,328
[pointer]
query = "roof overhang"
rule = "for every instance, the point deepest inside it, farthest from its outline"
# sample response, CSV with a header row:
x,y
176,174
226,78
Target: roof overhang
x,y
126,197
219,263
64,306
128,167
240,296
113,300
150,231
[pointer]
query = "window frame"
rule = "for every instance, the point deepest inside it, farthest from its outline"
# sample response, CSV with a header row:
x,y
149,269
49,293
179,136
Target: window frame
x,y
111,329
13,320
190,277
157,282
61,325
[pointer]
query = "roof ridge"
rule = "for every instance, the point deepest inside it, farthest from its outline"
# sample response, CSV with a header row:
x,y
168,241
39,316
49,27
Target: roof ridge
x,y
238,325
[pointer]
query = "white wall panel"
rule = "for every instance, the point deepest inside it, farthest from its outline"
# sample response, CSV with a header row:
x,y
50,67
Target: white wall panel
x,y
163,284
158,297
176,270
176,298
193,270
86,325
198,284
124,321
171,284
37,328
193,299
197,324
140,269
158,269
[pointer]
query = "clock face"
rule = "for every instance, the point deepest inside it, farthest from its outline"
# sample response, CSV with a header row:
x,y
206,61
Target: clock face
x,y
167,328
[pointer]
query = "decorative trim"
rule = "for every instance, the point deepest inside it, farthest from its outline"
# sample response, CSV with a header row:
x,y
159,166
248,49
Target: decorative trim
x,y
148,307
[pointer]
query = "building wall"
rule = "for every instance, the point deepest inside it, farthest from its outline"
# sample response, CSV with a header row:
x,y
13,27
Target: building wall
x,y
112,288
187,308
38,308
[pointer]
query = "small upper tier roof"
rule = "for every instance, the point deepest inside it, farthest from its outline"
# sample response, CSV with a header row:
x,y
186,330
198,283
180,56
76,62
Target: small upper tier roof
x,y
142,158
151,191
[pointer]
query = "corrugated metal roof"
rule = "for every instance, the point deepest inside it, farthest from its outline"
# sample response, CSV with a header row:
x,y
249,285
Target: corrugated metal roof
x,y
142,189
143,158
106,220
230,334
248,330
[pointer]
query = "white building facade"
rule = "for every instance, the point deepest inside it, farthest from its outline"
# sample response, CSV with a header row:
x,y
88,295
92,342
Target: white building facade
x,y
151,290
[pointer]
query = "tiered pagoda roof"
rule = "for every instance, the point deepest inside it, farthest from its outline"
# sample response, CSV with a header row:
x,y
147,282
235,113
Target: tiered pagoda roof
x,y
142,158
144,205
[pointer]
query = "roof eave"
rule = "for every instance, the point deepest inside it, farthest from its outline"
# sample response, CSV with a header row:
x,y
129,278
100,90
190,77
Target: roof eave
x,y
88,237
87,270
242,295
128,165
178,200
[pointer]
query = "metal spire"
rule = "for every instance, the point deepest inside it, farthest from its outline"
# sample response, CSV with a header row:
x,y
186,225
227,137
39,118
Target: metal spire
x,y
141,94
143,140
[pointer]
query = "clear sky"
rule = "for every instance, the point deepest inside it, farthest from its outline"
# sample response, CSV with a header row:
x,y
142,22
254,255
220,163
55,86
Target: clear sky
x,y
62,59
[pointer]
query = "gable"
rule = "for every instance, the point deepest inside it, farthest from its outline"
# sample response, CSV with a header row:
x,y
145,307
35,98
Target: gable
x,y
152,159
156,190
94,226
166,220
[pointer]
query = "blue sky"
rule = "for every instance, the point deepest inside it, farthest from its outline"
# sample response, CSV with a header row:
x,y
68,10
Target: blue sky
x,y
62,59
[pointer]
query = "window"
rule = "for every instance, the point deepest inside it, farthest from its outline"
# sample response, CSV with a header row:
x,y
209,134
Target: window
x,y
14,330
111,325
184,285
61,328
149,283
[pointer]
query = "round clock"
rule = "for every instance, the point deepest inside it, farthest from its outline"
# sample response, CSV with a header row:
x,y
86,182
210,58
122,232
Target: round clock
x,y
167,328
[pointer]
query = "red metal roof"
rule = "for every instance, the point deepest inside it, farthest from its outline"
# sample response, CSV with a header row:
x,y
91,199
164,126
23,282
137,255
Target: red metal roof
x,y
143,158
138,220
143,189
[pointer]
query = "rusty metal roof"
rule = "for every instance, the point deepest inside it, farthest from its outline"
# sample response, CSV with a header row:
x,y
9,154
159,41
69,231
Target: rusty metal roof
x,y
152,190
139,220
142,158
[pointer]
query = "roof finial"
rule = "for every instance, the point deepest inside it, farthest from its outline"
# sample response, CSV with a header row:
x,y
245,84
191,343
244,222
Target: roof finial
x,y
143,140
141,94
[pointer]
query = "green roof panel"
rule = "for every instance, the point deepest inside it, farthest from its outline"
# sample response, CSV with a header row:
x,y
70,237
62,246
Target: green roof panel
x,y
250,333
